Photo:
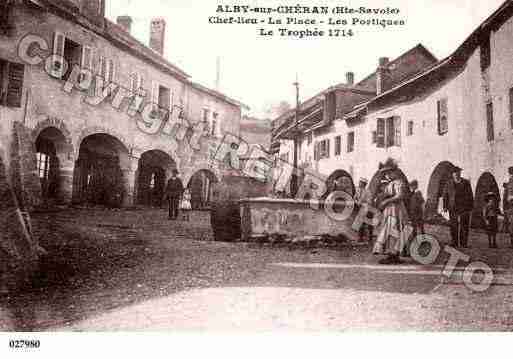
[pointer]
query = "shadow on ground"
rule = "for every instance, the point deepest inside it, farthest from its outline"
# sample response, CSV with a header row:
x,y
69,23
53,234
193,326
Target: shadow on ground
x,y
100,261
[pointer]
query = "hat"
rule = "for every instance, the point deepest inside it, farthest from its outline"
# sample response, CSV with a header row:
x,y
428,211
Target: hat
x,y
510,170
389,165
364,180
414,183
456,169
490,195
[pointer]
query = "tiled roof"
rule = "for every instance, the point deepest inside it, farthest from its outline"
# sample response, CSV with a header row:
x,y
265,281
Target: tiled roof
x,y
404,67
457,60
127,42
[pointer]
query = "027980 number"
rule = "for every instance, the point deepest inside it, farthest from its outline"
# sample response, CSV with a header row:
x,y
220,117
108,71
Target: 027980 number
x,y
24,344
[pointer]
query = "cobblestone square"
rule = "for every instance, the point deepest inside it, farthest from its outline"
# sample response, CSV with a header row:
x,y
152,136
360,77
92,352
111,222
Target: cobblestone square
x,y
135,270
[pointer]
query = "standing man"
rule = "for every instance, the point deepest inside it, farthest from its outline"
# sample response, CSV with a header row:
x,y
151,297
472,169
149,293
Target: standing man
x,y
173,194
508,205
360,198
416,208
459,201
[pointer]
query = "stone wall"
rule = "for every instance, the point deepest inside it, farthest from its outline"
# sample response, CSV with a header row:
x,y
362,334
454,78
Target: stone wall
x,y
19,250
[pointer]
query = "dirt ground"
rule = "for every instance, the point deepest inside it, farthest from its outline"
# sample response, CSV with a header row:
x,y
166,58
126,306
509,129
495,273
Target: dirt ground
x,y
134,270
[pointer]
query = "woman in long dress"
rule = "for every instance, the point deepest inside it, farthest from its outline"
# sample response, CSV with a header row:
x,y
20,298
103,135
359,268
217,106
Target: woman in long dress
x,y
392,237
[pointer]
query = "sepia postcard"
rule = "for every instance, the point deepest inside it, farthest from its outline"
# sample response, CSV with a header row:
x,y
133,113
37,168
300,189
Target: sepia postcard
x,y
258,166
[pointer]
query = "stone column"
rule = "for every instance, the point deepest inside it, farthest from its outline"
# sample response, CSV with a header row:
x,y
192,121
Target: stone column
x,y
129,170
66,172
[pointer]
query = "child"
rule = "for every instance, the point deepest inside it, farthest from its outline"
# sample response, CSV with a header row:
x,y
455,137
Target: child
x,y
185,204
491,213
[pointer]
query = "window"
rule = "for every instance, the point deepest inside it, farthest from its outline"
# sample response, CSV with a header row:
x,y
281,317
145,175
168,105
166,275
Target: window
x,y
490,135
410,129
11,83
72,55
205,115
107,69
136,83
350,142
374,137
5,14
164,97
443,115
485,53
388,132
214,126
511,108
310,138
338,145
322,149
43,165
100,7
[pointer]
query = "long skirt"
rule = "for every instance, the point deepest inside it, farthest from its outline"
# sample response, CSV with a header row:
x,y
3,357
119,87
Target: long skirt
x,y
392,237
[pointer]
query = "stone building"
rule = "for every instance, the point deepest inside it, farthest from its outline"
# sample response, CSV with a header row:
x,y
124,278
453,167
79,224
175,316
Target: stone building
x,y
109,127
453,112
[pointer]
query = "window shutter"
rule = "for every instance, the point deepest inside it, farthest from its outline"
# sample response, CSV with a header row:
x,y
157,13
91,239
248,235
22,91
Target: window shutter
x,y
112,71
16,73
133,84
328,148
380,133
443,115
397,126
155,92
58,43
139,82
3,82
87,58
489,122
102,67
511,108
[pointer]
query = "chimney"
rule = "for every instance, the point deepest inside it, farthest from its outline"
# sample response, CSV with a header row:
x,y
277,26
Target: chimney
x,y
381,75
93,10
350,78
125,22
157,35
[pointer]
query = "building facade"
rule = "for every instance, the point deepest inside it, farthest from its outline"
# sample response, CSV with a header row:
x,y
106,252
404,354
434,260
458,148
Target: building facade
x,y
111,133
454,112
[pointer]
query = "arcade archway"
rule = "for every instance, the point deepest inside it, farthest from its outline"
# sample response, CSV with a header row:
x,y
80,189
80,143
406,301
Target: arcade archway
x,y
155,167
200,186
441,174
50,145
98,178
485,184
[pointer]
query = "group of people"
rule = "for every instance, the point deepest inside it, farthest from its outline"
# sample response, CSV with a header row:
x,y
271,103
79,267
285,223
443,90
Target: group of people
x,y
178,198
402,203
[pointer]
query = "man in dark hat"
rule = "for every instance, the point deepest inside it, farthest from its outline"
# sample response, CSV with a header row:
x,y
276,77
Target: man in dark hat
x,y
416,208
508,205
458,200
173,194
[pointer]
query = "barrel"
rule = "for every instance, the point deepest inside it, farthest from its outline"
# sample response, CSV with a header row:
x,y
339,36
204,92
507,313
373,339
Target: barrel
x,y
225,209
